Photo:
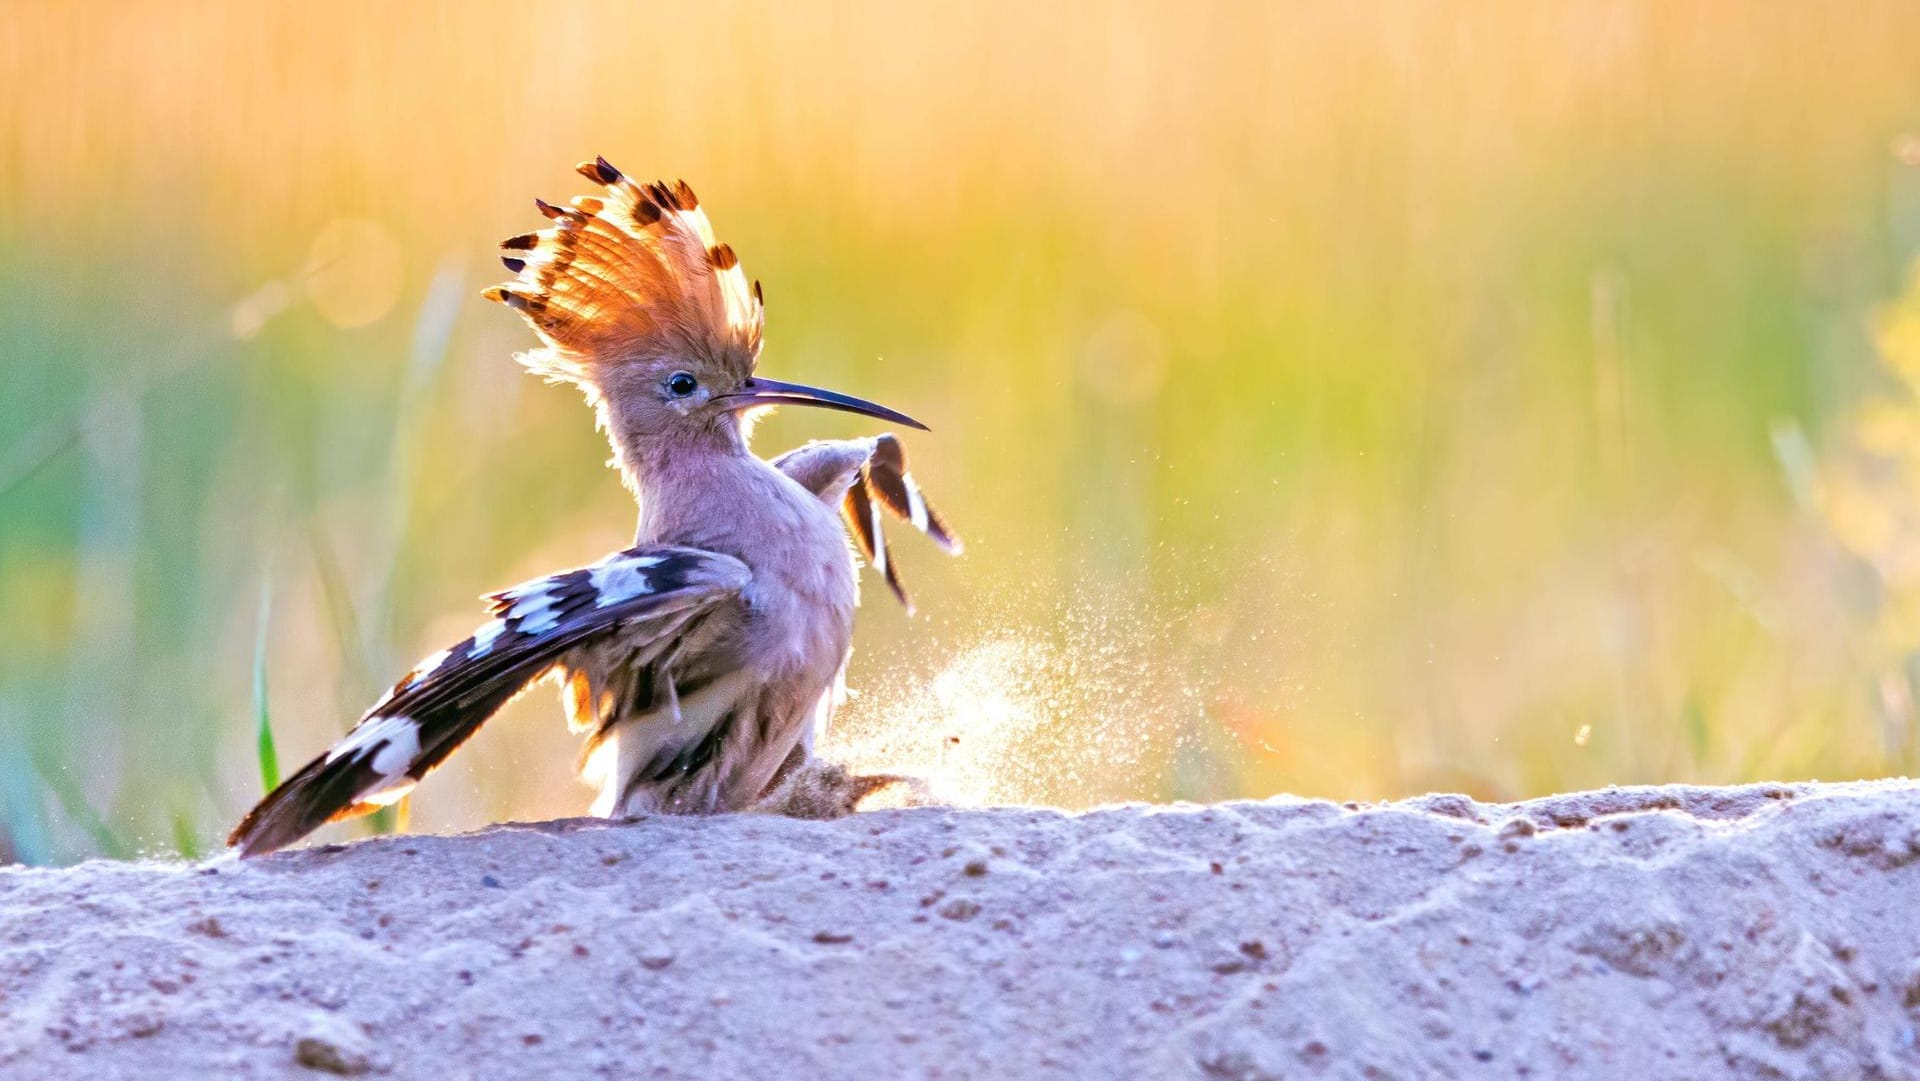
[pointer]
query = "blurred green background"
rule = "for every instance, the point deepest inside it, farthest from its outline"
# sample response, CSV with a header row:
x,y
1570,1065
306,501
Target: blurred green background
x,y
1350,400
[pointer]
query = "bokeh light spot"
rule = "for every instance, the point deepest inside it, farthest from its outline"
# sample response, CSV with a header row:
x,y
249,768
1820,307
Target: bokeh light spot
x,y
353,272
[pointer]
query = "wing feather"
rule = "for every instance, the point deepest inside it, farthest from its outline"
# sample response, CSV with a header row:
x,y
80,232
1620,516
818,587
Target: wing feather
x,y
647,595
863,475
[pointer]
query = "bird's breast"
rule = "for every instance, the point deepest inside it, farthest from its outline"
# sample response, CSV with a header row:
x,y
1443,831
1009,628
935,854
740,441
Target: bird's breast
x,y
801,600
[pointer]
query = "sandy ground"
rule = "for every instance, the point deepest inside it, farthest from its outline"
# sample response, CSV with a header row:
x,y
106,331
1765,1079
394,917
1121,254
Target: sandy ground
x,y
1764,932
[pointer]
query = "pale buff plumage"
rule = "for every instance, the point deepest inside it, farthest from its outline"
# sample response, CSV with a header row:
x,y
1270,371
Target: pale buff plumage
x,y
704,661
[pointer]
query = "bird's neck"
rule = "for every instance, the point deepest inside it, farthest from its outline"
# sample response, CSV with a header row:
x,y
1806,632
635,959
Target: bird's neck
x,y
691,486
648,456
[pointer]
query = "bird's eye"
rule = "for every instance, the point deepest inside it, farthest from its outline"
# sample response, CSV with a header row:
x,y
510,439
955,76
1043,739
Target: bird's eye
x,y
681,384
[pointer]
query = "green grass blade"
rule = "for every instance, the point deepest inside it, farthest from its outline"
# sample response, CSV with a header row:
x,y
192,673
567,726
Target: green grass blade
x,y
264,750
185,840
74,802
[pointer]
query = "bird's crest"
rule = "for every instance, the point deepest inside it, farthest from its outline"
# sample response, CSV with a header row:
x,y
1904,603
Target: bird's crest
x,y
635,274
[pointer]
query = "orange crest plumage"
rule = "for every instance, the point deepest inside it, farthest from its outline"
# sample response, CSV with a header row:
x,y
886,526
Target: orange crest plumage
x,y
634,275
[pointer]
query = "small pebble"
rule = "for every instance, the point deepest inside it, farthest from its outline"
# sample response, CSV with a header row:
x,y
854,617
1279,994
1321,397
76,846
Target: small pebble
x,y
1229,966
316,1053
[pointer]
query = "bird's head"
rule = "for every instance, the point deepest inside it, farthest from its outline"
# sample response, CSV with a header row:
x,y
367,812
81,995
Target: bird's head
x,y
636,303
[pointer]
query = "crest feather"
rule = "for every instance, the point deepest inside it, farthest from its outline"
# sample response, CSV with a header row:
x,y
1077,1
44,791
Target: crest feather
x,y
635,274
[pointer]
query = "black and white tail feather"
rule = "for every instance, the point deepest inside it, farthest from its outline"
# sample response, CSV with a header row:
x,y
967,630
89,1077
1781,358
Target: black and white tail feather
x,y
647,594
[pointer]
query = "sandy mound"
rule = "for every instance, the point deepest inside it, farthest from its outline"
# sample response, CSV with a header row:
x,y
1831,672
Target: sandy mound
x,y
1768,931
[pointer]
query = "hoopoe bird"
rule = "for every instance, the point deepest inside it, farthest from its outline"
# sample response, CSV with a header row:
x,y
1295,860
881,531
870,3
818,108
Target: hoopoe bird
x,y
703,662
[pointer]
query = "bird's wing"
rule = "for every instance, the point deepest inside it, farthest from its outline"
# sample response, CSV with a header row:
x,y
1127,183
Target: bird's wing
x,y
647,595
864,475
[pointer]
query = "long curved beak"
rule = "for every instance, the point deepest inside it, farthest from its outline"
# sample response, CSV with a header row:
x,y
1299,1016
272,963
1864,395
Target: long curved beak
x,y
764,392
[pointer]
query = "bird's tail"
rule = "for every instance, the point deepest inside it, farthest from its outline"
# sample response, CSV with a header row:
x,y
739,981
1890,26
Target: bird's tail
x,y
375,764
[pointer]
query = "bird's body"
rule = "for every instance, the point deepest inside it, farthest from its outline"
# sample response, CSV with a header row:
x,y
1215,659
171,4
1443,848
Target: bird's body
x,y
703,662
760,677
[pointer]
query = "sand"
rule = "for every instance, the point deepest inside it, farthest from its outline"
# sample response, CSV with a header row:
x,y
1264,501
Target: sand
x,y
1765,932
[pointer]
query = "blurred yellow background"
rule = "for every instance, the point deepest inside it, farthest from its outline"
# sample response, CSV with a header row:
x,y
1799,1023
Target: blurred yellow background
x,y
1350,400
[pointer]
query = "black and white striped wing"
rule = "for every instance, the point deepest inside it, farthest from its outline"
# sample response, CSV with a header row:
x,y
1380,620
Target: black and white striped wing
x,y
879,479
647,595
